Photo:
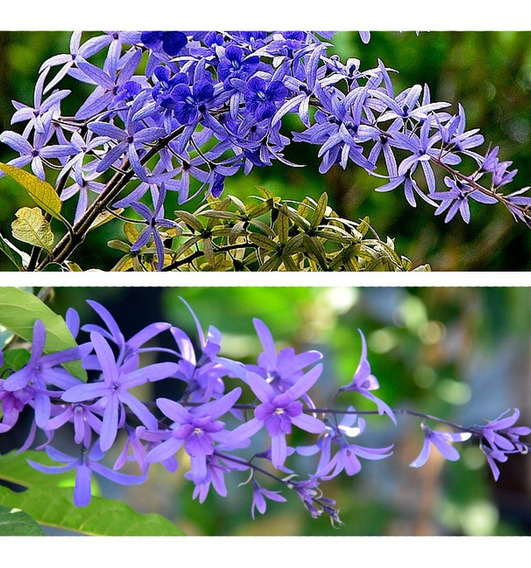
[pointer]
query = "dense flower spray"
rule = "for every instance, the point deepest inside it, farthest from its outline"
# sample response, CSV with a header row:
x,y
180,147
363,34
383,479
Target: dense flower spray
x,y
226,416
183,112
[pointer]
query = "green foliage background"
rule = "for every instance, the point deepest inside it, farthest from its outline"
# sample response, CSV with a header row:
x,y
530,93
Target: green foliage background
x,y
458,353
488,72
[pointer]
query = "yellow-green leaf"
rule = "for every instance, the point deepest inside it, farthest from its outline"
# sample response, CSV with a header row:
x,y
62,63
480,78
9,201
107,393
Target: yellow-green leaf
x,y
40,191
30,226
103,218
320,210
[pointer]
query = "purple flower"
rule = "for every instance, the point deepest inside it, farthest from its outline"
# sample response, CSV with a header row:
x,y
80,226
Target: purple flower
x,y
192,104
129,348
441,440
85,465
34,154
196,429
40,116
129,140
108,82
235,64
162,90
282,369
82,416
346,458
278,412
154,220
259,498
261,98
456,199
170,42
43,370
502,437
12,404
364,381
115,389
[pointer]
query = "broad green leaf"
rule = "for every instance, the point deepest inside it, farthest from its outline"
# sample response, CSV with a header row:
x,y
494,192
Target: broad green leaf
x,y
14,522
18,312
15,359
103,517
5,336
40,191
30,226
19,258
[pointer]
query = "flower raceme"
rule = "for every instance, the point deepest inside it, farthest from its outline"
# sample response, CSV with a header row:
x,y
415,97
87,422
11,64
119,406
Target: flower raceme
x,y
226,416
208,105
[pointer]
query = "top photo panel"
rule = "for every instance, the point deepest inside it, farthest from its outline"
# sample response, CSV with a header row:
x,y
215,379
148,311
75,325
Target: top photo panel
x,y
265,151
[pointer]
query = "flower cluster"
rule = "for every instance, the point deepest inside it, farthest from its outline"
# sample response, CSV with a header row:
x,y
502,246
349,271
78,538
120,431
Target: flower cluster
x,y
225,415
182,112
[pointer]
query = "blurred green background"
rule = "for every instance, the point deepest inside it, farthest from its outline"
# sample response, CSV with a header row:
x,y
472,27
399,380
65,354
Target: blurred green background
x,y
459,353
488,72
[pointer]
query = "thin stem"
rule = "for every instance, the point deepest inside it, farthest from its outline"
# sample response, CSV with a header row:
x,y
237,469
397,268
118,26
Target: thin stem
x,y
69,243
199,253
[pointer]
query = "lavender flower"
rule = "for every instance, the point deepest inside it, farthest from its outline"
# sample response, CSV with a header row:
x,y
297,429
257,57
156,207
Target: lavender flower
x,y
85,465
196,430
115,389
43,370
277,413
441,440
364,381
154,219
501,437
260,494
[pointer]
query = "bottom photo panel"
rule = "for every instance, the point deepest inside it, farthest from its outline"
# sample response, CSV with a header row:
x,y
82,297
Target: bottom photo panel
x,y
280,411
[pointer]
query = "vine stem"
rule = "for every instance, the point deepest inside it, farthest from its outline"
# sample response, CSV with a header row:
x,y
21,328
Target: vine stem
x,y
64,248
336,412
75,237
286,482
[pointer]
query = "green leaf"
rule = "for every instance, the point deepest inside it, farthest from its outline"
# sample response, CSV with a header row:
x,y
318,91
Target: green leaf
x,y
190,220
19,258
320,210
262,242
15,469
40,191
18,312
282,225
316,249
14,522
5,336
30,226
103,517
15,359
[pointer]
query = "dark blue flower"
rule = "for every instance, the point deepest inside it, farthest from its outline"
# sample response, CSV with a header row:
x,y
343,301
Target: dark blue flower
x,y
170,42
261,98
192,104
